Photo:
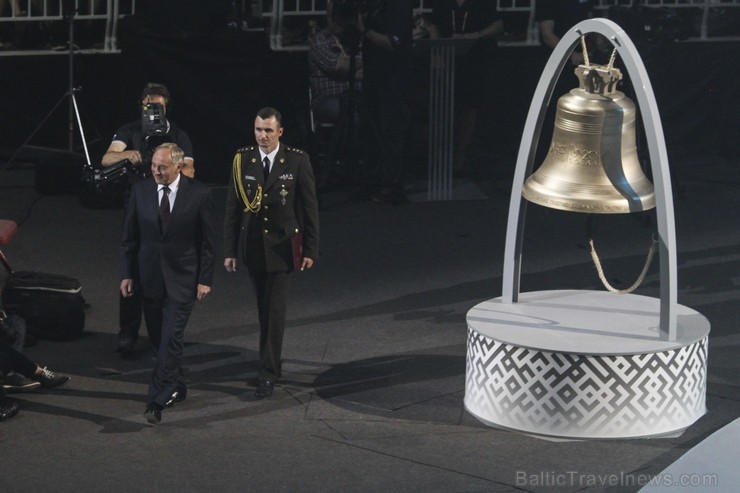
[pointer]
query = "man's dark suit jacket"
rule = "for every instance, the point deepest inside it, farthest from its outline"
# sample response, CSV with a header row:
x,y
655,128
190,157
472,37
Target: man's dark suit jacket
x,y
288,206
174,261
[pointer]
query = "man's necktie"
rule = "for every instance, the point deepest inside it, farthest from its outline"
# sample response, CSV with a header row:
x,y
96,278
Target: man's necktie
x,y
164,207
266,167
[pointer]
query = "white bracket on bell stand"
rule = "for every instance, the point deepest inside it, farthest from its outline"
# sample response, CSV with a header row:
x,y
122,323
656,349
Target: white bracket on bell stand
x,y
658,161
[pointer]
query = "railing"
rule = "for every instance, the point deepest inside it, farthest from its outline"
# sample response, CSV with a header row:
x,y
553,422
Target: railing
x,y
290,22
22,14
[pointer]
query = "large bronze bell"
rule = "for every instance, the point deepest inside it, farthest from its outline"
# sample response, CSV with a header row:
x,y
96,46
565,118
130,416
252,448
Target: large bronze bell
x,y
592,164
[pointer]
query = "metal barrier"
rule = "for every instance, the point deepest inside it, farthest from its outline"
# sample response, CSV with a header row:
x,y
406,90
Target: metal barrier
x,y
47,11
290,22
285,36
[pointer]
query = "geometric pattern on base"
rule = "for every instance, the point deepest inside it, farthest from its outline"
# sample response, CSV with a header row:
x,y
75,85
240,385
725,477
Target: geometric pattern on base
x,y
585,396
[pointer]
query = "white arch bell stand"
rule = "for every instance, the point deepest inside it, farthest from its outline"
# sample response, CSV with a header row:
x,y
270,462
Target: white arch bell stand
x,y
579,363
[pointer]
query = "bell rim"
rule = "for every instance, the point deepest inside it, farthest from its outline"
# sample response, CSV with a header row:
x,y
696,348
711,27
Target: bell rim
x,y
594,204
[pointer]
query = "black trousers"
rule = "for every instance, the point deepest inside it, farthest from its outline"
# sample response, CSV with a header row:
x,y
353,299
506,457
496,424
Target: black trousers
x,y
165,323
271,289
12,360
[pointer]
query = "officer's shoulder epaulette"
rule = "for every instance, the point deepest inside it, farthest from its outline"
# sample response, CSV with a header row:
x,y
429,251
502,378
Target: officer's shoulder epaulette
x,y
246,149
295,150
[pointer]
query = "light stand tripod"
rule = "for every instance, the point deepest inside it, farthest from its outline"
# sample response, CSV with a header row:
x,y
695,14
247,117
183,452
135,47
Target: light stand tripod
x,y
74,113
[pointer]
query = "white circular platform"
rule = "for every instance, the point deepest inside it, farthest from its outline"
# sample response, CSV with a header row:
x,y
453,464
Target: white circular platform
x,y
585,364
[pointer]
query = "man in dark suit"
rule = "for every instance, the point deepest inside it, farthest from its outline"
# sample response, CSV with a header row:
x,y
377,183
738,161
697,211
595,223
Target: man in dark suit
x,y
135,142
168,249
272,224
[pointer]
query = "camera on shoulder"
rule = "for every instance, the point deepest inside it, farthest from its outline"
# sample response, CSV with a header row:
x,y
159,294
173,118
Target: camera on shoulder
x,y
154,125
153,121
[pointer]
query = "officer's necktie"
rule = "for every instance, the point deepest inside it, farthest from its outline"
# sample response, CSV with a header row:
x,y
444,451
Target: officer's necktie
x,y
164,207
266,167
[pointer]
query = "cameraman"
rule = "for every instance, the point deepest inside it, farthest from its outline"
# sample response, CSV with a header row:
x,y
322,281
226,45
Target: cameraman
x,y
135,143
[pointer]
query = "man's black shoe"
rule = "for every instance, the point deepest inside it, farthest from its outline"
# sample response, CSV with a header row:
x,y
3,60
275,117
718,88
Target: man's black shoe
x,y
153,414
8,408
177,396
126,346
264,389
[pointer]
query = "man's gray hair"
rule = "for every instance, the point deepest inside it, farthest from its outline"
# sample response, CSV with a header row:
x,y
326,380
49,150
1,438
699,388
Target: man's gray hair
x,y
176,153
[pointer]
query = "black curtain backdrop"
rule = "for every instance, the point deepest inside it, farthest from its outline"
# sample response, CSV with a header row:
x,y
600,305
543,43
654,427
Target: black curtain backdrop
x,y
219,78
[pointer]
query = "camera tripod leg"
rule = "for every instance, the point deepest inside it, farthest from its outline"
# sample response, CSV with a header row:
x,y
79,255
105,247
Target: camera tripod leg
x,y
79,127
69,13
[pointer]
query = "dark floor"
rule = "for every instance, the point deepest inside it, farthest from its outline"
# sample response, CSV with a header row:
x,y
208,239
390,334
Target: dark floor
x,y
372,396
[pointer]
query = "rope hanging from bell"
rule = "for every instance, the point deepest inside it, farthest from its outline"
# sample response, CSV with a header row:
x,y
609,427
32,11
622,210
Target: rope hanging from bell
x,y
640,278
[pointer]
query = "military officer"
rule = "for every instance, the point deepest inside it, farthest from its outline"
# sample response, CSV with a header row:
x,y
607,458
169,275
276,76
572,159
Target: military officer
x,y
272,224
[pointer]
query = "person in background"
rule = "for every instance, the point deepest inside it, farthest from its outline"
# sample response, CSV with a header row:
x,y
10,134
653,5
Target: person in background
x,y
335,61
13,333
14,361
386,50
555,17
330,56
479,22
132,143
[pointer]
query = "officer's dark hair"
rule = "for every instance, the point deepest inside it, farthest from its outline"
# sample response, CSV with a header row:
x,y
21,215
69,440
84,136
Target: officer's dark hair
x,y
269,112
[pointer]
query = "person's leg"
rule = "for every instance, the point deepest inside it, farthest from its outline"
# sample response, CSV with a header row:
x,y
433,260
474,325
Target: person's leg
x,y
15,327
395,114
167,376
271,339
15,331
472,89
153,317
15,335
12,360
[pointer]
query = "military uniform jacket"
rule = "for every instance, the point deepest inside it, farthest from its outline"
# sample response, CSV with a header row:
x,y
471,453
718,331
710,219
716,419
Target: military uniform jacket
x,y
263,215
